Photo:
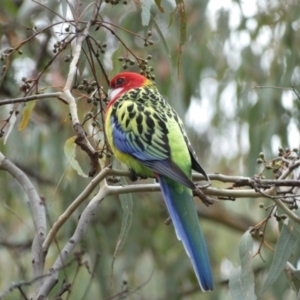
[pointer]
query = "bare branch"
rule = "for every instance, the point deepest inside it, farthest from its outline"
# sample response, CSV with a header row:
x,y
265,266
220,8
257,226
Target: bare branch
x,y
37,210
17,285
80,230
68,212
30,98
81,140
229,193
279,203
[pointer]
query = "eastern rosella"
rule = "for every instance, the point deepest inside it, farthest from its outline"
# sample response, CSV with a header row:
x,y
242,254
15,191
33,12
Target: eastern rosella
x,y
146,134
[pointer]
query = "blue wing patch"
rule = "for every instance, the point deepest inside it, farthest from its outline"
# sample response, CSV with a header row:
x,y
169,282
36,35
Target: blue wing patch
x,y
149,155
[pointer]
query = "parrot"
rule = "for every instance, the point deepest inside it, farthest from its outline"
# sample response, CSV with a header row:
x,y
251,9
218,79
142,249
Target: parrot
x,y
146,134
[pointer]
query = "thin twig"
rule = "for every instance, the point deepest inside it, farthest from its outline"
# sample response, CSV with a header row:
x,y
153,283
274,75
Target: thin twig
x,y
30,98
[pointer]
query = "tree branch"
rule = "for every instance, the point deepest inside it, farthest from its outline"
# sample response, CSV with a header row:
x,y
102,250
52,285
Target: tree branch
x,y
30,98
82,140
37,210
80,230
68,212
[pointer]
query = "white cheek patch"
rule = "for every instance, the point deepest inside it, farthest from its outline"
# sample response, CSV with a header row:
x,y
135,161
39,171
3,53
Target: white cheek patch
x,y
113,93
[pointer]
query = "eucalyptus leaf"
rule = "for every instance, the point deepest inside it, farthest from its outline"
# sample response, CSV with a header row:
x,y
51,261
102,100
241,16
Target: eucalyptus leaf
x,y
182,29
64,7
127,206
241,283
283,251
158,3
294,276
165,47
69,149
146,6
26,114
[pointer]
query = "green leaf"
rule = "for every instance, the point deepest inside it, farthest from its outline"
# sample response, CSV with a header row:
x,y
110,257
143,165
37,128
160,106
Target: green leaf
x,y
69,149
182,30
146,6
158,3
171,18
83,61
296,226
117,66
165,46
283,251
241,283
64,7
293,275
127,206
26,114
296,229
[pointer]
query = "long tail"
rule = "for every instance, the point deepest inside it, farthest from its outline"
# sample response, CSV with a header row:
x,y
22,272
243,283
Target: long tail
x,y
181,206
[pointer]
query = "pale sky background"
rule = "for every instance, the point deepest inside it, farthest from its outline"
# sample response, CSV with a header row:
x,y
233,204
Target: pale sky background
x,y
200,113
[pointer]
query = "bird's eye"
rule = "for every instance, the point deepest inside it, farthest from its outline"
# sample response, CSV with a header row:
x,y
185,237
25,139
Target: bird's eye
x,y
120,81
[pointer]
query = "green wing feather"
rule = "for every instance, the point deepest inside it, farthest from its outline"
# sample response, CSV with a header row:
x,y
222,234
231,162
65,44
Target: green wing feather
x,y
145,128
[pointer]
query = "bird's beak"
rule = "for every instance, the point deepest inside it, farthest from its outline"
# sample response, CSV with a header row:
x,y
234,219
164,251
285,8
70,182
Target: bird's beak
x,y
113,93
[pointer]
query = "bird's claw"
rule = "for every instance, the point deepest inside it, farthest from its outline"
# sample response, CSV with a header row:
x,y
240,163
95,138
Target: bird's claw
x,y
132,176
204,198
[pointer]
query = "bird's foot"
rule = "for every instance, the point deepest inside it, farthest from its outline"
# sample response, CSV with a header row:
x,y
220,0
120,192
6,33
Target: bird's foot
x,y
204,198
133,176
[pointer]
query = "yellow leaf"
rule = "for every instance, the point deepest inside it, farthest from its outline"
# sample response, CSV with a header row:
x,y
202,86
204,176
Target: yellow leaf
x,y
26,113
69,150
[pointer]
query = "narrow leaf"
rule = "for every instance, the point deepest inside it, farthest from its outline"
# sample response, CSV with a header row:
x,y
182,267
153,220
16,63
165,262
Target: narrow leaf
x,y
117,66
26,114
64,6
293,275
241,283
165,46
146,6
69,149
11,124
182,30
83,62
158,3
284,248
127,206
182,21
171,18
296,229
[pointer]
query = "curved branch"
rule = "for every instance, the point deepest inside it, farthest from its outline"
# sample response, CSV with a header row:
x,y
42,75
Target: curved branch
x,y
82,140
80,230
37,210
68,212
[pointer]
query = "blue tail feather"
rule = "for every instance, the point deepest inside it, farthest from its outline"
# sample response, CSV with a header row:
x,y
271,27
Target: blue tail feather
x,y
181,206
